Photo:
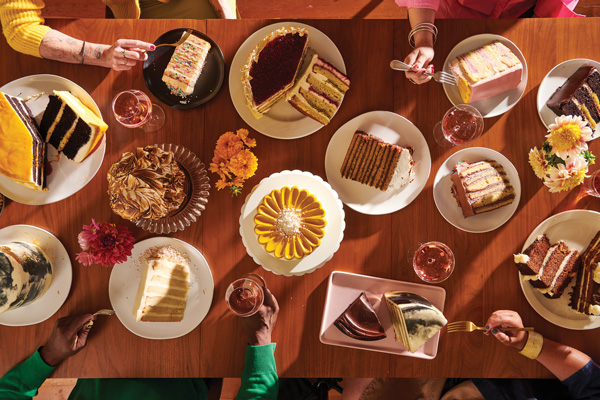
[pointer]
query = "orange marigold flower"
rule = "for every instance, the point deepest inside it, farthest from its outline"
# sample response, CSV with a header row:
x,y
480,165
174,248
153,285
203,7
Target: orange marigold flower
x,y
243,134
238,181
228,145
244,164
221,184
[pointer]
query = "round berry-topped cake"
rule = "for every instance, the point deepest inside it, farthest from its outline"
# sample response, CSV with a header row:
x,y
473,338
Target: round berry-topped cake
x,y
272,68
290,223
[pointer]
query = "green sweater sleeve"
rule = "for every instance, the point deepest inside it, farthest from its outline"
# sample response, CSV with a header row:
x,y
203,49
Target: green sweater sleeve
x,y
259,378
24,379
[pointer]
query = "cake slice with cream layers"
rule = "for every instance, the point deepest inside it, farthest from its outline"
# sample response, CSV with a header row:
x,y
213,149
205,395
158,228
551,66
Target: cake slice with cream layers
x,y
22,148
186,65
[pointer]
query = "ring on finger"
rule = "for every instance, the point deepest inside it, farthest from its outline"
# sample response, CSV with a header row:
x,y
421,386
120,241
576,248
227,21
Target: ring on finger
x,y
123,52
411,81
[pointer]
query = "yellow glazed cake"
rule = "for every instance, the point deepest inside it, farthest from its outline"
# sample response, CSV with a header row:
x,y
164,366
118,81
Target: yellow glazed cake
x,y
163,290
290,223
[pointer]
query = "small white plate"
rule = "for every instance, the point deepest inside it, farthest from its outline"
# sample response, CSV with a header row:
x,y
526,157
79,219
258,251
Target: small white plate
x,y
62,274
553,80
334,230
125,280
576,228
345,287
392,128
500,103
449,207
282,121
66,176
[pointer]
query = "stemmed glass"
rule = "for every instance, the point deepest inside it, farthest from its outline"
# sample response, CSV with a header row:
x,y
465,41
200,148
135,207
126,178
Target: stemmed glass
x,y
245,296
461,124
433,262
590,186
133,109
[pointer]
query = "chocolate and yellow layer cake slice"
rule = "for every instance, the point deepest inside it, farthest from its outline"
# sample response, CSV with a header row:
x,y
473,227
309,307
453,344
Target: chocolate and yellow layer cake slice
x,y
319,90
272,68
579,96
71,127
186,65
359,321
415,319
22,148
162,293
548,268
481,187
586,293
371,161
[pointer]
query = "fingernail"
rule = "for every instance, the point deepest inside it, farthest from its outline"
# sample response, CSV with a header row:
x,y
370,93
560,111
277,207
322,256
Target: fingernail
x,y
494,331
152,47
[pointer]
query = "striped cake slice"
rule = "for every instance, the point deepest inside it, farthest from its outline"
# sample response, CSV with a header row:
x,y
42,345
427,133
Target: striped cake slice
x,y
185,66
481,187
162,293
585,297
371,161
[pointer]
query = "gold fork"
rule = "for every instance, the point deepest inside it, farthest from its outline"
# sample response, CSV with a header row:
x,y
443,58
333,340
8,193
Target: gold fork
x,y
183,39
468,326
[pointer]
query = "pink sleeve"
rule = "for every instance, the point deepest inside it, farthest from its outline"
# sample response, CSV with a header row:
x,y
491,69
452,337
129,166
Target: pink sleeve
x,y
433,4
555,9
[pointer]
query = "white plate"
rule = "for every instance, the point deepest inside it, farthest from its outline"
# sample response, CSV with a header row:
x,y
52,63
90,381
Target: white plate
x,y
500,103
392,128
125,280
67,177
46,306
345,287
334,230
447,204
576,228
282,121
553,80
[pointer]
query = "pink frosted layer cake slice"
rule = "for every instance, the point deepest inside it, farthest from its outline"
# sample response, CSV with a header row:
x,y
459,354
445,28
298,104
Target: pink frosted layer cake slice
x,y
486,72
185,66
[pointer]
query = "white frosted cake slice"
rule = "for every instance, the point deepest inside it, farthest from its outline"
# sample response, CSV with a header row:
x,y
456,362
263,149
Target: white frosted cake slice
x,y
185,66
415,319
163,290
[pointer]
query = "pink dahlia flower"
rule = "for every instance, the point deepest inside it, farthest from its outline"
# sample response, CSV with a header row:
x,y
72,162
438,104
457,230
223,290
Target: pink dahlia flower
x,y
104,243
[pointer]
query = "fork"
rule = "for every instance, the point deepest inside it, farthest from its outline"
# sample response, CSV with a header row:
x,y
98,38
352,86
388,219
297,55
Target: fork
x,y
180,41
439,76
103,312
468,326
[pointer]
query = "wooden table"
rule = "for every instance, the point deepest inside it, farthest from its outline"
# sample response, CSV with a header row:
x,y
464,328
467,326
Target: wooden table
x,y
485,278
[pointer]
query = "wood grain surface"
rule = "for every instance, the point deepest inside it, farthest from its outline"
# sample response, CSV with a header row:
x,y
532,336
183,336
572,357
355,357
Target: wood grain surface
x,y
485,278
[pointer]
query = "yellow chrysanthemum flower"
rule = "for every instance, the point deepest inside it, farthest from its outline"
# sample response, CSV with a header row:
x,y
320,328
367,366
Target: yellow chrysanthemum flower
x,y
243,164
568,136
228,145
538,162
566,177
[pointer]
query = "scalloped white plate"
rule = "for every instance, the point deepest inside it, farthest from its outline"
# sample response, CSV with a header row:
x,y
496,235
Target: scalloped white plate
x,y
125,279
334,231
576,228
392,128
62,274
282,121
66,177
500,103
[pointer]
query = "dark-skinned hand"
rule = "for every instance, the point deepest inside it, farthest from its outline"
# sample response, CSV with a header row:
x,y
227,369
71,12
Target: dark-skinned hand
x,y
68,338
259,325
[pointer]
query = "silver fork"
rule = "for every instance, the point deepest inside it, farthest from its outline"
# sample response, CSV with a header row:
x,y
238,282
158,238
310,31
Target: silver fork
x,y
104,312
177,43
439,76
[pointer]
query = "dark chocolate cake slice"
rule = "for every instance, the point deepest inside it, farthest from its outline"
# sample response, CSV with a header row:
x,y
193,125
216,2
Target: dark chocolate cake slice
x,y
585,297
579,96
360,321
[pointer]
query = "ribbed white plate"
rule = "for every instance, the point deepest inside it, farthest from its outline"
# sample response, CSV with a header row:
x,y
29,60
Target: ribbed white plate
x,y
334,231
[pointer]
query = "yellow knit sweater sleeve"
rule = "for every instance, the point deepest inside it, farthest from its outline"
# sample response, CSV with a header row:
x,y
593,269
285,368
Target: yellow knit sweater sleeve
x,y
22,25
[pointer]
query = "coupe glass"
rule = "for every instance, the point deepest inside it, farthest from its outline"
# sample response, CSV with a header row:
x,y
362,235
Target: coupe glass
x,y
432,261
461,124
590,186
133,109
245,296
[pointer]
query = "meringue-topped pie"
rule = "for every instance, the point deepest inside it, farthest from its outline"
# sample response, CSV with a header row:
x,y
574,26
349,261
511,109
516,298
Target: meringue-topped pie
x,y
290,223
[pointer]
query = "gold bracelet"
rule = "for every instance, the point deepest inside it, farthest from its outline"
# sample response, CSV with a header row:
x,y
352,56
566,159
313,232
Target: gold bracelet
x,y
424,26
533,347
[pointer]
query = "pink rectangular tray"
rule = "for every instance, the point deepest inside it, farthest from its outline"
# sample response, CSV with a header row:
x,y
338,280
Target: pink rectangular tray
x,y
345,287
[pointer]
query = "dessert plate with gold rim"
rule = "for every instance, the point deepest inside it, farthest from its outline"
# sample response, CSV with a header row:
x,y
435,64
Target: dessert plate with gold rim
x,y
64,177
62,274
125,279
345,287
334,230
448,206
576,228
392,128
553,80
500,103
209,82
282,121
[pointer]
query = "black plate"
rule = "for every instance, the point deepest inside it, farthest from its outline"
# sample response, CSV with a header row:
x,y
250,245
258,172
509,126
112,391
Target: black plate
x,y
208,83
